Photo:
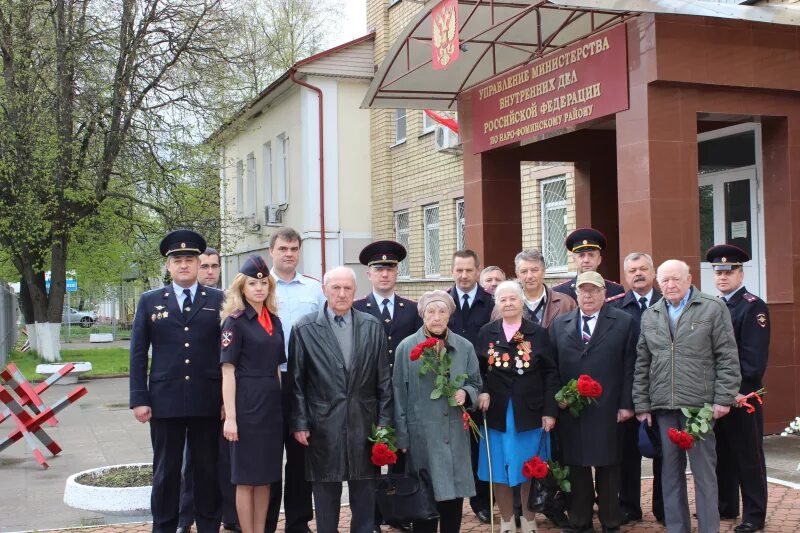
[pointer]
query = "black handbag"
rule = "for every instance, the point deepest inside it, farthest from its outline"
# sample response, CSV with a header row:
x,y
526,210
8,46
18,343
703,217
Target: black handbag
x,y
406,496
545,496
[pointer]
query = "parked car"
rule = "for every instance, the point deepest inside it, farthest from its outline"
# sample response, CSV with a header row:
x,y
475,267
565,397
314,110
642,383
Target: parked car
x,y
84,318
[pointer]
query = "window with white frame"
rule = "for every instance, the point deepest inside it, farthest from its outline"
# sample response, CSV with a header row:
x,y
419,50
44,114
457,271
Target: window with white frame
x,y
250,197
399,126
431,233
240,188
402,234
283,169
554,222
460,243
266,161
428,124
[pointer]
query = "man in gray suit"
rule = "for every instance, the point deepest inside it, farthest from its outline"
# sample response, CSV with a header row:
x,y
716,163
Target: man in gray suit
x,y
341,387
687,357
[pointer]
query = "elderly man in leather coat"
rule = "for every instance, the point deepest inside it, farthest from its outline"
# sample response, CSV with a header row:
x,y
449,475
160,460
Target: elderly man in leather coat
x,y
341,386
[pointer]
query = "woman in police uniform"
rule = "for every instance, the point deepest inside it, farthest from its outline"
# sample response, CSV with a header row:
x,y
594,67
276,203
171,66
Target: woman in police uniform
x,y
252,352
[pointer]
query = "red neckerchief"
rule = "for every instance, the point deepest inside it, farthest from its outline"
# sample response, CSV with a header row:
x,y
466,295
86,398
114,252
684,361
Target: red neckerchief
x,y
265,320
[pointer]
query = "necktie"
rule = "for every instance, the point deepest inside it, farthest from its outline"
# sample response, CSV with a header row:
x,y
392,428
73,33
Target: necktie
x,y
465,309
187,303
339,321
643,304
587,334
385,315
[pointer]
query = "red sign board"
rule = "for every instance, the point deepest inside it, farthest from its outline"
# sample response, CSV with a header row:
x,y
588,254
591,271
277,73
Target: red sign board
x,y
581,82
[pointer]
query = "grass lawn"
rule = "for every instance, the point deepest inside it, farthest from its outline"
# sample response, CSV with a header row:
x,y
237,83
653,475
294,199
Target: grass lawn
x,y
105,361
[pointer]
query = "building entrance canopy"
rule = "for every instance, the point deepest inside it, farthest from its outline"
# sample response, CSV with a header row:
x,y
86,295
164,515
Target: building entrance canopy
x,y
496,36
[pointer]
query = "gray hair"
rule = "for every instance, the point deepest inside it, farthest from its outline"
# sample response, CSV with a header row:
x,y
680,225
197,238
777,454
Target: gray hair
x,y
684,268
532,255
635,256
511,285
338,270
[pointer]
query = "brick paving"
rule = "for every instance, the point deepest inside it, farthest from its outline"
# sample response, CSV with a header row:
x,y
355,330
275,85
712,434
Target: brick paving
x,y
783,516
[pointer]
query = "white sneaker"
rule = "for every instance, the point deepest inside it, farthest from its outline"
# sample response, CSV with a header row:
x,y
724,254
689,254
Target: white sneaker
x,y
527,526
508,527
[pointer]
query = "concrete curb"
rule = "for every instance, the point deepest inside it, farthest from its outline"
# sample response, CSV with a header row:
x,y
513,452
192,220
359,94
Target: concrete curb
x,y
107,500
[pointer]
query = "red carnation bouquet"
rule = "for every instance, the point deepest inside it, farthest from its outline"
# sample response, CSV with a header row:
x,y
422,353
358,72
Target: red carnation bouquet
x,y
698,423
384,451
579,393
435,358
535,468
742,402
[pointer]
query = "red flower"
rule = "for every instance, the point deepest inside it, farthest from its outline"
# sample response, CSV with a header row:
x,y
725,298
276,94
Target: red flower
x,y
535,468
416,352
382,455
465,418
588,387
596,390
681,439
430,342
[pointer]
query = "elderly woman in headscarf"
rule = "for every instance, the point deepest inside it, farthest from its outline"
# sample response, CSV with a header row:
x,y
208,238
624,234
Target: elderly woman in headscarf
x,y
433,432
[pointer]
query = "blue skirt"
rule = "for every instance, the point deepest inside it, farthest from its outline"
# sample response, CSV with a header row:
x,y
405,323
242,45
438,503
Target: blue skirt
x,y
510,450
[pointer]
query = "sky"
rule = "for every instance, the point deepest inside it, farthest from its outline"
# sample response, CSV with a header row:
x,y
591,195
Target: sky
x,y
354,24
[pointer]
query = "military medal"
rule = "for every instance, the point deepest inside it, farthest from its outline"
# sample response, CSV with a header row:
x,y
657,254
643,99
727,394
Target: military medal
x,y
165,314
153,317
159,316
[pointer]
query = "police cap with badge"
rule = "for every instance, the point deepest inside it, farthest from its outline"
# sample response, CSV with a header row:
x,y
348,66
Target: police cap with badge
x,y
382,254
726,257
182,242
583,239
255,267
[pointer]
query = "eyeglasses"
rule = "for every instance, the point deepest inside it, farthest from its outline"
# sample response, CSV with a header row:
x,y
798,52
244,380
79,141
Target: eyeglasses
x,y
209,267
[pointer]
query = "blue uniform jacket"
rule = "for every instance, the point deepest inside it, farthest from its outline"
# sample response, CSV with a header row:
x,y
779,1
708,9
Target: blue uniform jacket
x,y
405,322
184,378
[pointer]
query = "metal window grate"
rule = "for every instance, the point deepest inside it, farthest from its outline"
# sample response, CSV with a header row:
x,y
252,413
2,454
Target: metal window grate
x,y
460,242
554,222
402,234
431,231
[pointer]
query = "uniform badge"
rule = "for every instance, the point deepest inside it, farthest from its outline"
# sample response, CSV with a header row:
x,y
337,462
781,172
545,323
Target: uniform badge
x,y
761,318
159,307
227,338
401,304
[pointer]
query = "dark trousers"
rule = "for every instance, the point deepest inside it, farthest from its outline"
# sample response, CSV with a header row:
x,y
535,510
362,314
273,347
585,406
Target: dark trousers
x,y
658,493
741,465
606,483
296,490
226,488
169,436
479,502
630,491
449,520
328,501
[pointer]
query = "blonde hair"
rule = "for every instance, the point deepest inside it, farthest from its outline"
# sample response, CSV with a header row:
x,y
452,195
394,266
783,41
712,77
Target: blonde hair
x,y
234,297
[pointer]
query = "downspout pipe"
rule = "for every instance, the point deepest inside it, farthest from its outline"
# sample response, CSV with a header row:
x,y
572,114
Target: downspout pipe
x,y
317,90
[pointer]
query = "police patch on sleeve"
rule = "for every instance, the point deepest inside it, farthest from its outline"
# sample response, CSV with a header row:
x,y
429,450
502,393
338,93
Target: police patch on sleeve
x,y
761,318
227,337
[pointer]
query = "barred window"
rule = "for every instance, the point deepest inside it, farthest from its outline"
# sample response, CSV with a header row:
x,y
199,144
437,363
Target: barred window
x,y
431,232
554,222
402,233
460,244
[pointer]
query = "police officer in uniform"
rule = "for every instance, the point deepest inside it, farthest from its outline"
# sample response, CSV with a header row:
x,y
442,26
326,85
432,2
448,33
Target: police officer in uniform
x,y
398,315
586,245
740,455
181,394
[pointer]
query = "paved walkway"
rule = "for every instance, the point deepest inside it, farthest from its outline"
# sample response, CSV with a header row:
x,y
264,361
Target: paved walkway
x,y
100,430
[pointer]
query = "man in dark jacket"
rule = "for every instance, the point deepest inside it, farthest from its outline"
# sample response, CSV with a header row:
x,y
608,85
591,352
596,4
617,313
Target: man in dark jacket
x,y
600,341
181,394
640,275
341,387
473,310
740,453
586,246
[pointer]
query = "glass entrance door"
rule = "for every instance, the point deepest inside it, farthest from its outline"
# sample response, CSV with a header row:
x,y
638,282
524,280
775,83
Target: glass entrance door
x,y
729,214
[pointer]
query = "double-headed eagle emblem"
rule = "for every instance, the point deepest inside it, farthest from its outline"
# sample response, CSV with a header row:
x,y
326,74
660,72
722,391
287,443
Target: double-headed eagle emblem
x,y
444,33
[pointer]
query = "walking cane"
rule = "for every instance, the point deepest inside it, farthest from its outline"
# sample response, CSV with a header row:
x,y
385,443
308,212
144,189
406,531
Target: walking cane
x,y
491,483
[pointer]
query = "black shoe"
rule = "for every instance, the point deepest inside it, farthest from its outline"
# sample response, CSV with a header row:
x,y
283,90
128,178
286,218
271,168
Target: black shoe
x,y
483,516
232,527
399,526
748,527
559,519
183,529
629,516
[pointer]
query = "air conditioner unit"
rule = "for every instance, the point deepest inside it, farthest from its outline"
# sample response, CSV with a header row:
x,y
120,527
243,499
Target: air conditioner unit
x,y
446,140
273,213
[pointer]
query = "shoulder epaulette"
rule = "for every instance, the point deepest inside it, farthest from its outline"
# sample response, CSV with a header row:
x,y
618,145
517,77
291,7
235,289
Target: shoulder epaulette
x,y
236,314
614,298
310,277
749,297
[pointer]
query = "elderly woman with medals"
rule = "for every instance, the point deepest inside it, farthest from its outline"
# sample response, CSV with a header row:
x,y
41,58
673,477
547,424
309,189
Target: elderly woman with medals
x,y
436,378
252,352
521,382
